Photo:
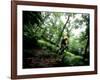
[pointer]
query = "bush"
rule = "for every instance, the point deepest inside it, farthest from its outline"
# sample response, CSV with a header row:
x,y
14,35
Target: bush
x,y
71,59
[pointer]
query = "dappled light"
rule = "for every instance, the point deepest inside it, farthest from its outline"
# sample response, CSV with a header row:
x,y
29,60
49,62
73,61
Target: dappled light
x,y
55,39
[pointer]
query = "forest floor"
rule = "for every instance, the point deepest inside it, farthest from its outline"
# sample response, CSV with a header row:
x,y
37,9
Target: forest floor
x,y
41,58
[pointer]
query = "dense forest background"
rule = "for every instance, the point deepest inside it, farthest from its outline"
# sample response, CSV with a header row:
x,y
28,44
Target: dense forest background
x,y
43,39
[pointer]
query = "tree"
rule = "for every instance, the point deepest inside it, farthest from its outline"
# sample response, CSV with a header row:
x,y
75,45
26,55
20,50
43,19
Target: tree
x,y
59,38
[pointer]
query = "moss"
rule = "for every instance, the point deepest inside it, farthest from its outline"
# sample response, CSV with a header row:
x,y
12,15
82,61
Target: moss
x,y
71,59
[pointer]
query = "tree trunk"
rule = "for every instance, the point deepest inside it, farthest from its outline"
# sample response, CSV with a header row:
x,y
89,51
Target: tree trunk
x,y
86,53
59,38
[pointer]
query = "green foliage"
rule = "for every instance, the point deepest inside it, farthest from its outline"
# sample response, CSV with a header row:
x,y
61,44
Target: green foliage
x,y
44,31
75,46
46,45
71,59
31,17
